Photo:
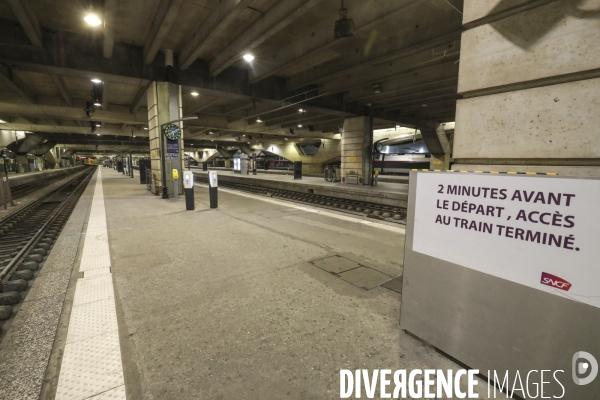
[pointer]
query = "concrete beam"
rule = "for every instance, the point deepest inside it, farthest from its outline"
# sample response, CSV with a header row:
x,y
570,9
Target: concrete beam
x,y
62,87
222,15
54,129
201,108
139,99
435,138
16,85
28,20
273,20
366,18
357,62
387,71
111,8
164,19
69,113
105,95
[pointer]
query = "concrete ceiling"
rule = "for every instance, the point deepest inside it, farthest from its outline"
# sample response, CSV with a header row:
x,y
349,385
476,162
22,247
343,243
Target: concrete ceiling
x,y
401,65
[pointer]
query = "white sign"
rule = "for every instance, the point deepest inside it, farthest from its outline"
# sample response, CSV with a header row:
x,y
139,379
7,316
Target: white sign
x,y
212,179
541,232
188,179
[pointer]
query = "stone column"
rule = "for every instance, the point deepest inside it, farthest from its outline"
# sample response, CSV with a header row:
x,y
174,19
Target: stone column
x,y
357,148
529,77
164,105
22,163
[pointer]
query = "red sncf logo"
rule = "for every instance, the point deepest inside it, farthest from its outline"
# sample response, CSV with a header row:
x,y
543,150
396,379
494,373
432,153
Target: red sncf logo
x,y
555,282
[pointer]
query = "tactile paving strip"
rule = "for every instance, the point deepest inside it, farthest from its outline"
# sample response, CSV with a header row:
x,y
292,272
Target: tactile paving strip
x,y
91,365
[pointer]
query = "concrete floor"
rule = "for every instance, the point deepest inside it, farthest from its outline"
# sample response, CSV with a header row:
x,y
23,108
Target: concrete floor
x,y
223,304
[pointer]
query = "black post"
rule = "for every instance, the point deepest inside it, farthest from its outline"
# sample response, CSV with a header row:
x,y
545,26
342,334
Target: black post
x,y
188,188
297,169
205,166
213,188
253,163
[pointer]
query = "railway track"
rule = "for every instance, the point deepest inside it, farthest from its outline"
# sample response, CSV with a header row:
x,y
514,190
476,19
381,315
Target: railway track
x,y
28,235
27,188
391,214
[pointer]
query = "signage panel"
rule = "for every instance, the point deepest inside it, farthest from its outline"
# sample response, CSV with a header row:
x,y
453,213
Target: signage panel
x,y
541,232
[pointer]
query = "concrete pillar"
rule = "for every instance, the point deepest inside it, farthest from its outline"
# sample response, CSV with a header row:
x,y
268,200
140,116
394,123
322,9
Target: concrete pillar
x,y
529,76
50,159
22,163
228,163
164,105
434,136
357,148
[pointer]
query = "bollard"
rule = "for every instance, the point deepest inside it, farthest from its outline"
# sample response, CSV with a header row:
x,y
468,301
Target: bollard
x,y
213,187
188,187
297,169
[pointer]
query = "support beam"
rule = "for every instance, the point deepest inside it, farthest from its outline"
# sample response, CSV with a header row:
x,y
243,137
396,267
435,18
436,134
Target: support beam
x,y
367,19
69,113
139,99
209,31
84,130
273,20
105,95
62,87
111,8
165,17
201,108
28,20
16,85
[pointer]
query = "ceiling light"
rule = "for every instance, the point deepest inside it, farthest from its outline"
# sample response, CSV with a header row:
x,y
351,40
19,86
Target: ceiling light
x,y
248,57
92,19
195,94
285,138
376,88
133,135
299,126
210,132
2,122
211,140
96,80
397,126
97,134
243,135
145,128
258,119
344,27
98,104
301,110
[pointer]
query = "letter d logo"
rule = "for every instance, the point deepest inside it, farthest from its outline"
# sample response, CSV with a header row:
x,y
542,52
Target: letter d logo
x,y
582,367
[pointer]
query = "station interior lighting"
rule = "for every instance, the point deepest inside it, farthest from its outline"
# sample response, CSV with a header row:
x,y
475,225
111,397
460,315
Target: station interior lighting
x,y
96,80
145,128
301,110
258,119
97,94
344,27
248,57
2,121
299,126
92,19
210,132
195,94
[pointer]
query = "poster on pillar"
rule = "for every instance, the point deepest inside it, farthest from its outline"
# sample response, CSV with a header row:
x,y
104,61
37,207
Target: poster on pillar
x,y
538,231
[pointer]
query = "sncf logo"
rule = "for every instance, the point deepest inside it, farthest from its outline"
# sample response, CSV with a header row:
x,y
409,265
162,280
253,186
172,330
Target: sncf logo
x,y
555,282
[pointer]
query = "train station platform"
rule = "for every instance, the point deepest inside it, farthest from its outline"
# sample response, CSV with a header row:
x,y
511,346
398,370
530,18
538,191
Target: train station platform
x,y
22,178
256,299
391,194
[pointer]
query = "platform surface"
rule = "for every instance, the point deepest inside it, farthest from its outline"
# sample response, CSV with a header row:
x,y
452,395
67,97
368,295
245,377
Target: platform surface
x,y
257,299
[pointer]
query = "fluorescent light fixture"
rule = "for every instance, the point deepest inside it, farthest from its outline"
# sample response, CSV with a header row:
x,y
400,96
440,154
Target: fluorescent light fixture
x,y
145,128
248,57
98,104
286,138
397,126
258,119
2,122
97,134
299,126
301,110
92,19
133,135
210,132
98,124
96,80
195,94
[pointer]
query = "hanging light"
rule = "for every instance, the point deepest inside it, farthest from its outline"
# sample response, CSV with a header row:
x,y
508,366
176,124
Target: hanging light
x,y
344,27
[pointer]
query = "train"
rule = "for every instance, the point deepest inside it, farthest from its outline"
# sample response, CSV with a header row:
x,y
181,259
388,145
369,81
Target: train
x,y
400,164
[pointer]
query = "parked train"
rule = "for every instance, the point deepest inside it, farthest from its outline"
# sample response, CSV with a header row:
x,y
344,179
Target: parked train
x,y
400,164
